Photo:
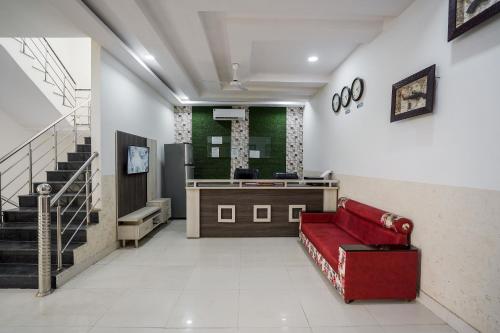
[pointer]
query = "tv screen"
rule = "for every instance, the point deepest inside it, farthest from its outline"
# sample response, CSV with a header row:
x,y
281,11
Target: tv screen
x,y
138,160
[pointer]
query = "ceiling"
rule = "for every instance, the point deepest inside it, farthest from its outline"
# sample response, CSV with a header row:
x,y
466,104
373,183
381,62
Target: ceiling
x,y
194,42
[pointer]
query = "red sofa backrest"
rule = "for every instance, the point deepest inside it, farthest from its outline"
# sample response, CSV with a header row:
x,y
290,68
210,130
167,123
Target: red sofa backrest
x,y
372,225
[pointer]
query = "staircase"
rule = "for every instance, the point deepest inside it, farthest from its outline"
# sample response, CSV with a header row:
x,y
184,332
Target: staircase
x,y
19,229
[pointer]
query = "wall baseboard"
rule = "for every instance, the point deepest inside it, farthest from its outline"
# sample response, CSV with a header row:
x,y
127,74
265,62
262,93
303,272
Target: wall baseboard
x,y
442,312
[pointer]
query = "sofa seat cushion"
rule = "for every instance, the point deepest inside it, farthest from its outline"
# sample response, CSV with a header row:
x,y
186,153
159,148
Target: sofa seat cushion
x,y
327,238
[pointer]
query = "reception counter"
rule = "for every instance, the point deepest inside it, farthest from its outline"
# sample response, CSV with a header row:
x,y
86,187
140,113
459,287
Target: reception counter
x,y
254,208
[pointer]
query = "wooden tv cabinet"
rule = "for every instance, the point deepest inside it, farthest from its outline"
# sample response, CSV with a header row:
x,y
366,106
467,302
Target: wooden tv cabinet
x,y
136,225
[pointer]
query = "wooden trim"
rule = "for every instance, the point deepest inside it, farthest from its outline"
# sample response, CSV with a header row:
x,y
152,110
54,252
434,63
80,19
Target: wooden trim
x,y
233,213
290,212
256,217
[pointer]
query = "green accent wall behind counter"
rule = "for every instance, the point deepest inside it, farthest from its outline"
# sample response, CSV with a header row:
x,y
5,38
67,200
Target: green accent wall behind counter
x,y
269,122
203,126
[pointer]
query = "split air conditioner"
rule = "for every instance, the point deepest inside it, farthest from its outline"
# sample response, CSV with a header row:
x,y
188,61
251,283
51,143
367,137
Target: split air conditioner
x,y
229,114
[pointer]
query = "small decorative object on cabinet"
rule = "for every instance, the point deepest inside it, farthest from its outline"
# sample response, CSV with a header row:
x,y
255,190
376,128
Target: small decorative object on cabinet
x,y
464,15
336,102
357,88
165,205
345,96
414,95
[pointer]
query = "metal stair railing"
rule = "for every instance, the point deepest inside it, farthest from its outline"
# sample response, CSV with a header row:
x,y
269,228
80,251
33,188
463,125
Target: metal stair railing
x,y
48,62
45,203
38,153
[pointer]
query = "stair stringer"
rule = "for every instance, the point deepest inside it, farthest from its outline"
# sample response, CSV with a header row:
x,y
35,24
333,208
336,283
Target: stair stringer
x,y
101,237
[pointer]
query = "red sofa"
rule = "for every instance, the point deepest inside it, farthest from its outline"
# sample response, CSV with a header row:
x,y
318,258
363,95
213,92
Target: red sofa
x,y
364,251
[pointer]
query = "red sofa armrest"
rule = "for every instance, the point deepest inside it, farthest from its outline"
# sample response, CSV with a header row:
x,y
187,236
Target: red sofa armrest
x,y
306,217
373,272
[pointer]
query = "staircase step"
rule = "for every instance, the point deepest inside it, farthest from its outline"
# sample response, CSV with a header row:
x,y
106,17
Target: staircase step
x,y
24,276
31,200
87,140
75,165
27,252
78,156
83,148
66,175
58,185
30,215
26,232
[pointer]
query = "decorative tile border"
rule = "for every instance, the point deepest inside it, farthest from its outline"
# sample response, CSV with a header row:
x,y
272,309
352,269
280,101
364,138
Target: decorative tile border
x,y
294,140
239,142
183,117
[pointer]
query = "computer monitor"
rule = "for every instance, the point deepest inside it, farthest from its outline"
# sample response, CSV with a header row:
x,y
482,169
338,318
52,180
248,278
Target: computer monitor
x,y
240,173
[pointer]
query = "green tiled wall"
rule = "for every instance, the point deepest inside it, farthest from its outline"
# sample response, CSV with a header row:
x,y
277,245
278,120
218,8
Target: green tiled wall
x,y
203,125
269,122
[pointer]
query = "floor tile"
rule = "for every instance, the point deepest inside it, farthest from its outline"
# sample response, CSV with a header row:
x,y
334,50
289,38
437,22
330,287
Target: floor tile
x,y
322,309
140,308
419,329
171,284
258,278
214,278
69,307
403,314
274,330
205,309
270,309
44,330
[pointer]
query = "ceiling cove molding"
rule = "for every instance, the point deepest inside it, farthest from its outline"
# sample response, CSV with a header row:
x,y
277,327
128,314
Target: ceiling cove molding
x,y
132,53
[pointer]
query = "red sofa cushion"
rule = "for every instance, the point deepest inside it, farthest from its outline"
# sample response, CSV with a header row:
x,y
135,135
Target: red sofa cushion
x,y
376,216
367,232
327,238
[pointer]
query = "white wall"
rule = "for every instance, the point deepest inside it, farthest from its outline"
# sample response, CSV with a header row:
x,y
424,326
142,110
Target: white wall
x,y
12,133
129,105
456,147
75,54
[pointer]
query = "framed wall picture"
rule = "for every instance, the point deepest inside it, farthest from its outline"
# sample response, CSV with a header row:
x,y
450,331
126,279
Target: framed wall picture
x,y
414,95
464,15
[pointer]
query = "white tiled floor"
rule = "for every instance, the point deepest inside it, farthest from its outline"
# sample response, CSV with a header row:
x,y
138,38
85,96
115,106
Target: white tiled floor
x,y
172,284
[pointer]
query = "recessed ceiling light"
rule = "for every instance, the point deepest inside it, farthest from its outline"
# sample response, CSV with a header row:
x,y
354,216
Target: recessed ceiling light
x,y
149,57
312,59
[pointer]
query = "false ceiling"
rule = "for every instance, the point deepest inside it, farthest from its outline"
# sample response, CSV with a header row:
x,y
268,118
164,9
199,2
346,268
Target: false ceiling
x,y
194,42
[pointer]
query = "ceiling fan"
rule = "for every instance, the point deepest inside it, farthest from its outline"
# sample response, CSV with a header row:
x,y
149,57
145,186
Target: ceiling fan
x,y
235,83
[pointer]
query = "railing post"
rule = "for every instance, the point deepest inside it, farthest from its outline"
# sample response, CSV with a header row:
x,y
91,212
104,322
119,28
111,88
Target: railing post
x,y
44,262
59,237
1,199
87,193
74,129
30,168
55,148
45,67
64,89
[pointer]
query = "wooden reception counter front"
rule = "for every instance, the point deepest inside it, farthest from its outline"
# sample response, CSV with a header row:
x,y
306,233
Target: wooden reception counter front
x,y
254,208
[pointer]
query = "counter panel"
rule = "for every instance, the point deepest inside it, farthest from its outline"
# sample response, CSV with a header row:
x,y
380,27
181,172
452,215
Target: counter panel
x,y
244,201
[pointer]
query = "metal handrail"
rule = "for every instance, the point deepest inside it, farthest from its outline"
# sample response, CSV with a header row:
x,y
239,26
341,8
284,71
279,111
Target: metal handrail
x,y
46,129
55,201
45,64
59,60
70,182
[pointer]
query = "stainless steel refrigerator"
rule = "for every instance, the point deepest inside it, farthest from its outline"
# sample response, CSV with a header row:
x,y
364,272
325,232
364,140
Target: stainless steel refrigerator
x,y
177,168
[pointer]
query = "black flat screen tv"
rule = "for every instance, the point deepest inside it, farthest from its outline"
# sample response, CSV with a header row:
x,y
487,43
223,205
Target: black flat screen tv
x,y
137,160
